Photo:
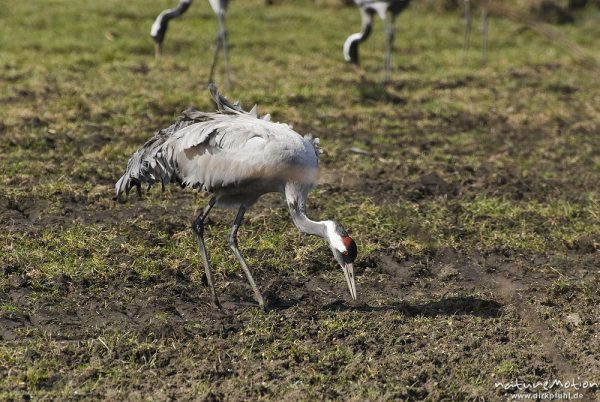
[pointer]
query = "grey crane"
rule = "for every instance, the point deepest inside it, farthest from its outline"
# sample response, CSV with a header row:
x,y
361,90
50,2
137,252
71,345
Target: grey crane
x,y
237,157
368,9
484,28
160,25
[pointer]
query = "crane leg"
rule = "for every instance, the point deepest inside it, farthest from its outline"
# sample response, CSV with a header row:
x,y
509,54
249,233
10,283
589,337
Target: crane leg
x,y
468,23
198,228
389,30
214,60
484,25
225,49
234,246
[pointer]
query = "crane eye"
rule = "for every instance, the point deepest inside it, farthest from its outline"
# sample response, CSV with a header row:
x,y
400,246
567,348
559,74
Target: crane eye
x,y
345,252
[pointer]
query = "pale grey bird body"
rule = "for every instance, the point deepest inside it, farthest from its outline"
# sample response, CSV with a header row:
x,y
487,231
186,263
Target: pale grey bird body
x,y
237,157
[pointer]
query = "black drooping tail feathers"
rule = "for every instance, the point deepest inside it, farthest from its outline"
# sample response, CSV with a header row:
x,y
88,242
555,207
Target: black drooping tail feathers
x,y
149,164
154,162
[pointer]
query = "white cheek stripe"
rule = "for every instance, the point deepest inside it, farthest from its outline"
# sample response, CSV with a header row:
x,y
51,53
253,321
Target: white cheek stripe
x,y
334,238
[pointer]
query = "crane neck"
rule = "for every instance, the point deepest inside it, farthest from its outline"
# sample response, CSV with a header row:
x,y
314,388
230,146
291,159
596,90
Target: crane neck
x,y
295,195
180,9
350,48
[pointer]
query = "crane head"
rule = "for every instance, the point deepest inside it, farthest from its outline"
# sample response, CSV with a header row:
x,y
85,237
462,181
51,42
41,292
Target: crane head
x,y
344,251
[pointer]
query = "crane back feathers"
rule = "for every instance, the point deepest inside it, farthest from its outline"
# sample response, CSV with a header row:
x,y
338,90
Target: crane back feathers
x,y
232,153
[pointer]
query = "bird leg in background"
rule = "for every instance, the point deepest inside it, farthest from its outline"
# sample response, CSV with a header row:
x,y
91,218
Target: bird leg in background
x,y
225,49
389,30
157,51
198,228
236,251
221,41
214,61
467,38
484,24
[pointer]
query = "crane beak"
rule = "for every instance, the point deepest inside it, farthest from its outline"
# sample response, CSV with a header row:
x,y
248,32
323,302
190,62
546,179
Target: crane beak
x,y
349,274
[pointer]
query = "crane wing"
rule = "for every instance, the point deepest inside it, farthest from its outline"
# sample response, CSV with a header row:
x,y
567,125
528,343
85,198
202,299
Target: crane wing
x,y
211,150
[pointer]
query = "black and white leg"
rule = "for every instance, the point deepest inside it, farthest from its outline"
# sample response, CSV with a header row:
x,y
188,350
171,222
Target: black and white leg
x,y
198,228
234,246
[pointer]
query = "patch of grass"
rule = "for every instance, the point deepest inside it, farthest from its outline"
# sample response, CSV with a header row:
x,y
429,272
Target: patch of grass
x,y
9,308
560,287
506,369
530,225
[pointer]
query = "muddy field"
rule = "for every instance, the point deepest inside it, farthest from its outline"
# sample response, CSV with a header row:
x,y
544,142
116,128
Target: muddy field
x,y
471,191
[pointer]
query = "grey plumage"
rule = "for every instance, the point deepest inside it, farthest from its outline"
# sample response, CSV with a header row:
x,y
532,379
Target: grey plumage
x,y
223,153
237,156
